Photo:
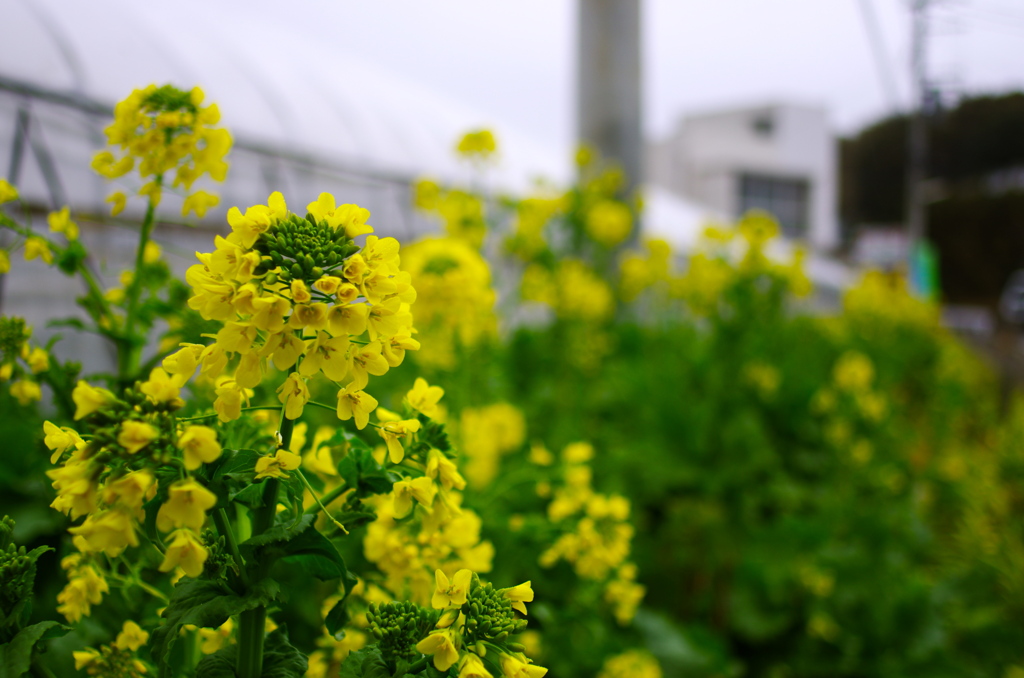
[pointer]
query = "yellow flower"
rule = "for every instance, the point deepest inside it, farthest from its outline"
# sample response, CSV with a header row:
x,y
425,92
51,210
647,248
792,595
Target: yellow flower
x,y
7,192
451,593
108,531
513,667
135,435
199,202
37,248
26,391
88,399
441,644
214,639
477,143
199,446
364,361
60,222
38,360
5,262
393,431
153,191
328,284
85,588
59,439
275,467
424,398
162,387
609,222
151,253
421,489
355,403
293,394
84,658
186,506
132,637
186,551
118,202
184,362
470,666
578,453
328,354
130,489
444,470
230,397
519,595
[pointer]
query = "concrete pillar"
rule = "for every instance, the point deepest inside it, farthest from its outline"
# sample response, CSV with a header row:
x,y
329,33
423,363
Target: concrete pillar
x,y
608,109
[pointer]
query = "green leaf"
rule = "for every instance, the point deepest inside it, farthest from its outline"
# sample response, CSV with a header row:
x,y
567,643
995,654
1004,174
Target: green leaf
x,y
339,616
297,544
16,656
281,532
361,470
203,603
316,555
280,659
365,663
250,495
220,664
240,464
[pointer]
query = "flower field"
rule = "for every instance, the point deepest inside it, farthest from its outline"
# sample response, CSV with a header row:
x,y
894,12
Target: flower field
x,y
533,443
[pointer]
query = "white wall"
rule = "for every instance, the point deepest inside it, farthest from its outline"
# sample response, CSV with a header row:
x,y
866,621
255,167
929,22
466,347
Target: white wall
x,y
704,158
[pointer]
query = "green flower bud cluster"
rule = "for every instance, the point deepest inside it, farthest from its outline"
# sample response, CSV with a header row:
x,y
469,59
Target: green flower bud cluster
x,y
13,334
168,99
303,249
399,626
107,423
489,615
17,577
113,662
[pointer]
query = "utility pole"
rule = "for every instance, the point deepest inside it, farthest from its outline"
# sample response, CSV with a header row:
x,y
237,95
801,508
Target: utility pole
x,y
917,150
608,109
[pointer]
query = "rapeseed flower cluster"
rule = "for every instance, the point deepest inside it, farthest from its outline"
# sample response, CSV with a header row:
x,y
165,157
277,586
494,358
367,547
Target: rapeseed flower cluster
x,y
475,628
297,293
21,364
631,664
572,289
108,473
163,129
117,660
477,145
462,214
851,406
595,534
450,274
486,434
885,298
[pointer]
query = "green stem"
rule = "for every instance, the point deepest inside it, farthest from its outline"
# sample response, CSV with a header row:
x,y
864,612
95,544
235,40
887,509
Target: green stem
x,y
128,360
323,508
220,519
329,497
244,409
252,623
419,664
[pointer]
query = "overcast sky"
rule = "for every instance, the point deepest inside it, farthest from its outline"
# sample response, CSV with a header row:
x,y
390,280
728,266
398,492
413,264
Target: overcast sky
x,y
514,60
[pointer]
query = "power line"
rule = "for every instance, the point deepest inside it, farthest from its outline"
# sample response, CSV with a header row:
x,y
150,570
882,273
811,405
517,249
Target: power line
x,y
878,50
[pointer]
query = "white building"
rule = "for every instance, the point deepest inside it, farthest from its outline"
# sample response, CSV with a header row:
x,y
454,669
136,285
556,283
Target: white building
x,y
780,158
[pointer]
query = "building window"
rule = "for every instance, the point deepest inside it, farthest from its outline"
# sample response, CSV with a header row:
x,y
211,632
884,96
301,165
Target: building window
x,y
785,199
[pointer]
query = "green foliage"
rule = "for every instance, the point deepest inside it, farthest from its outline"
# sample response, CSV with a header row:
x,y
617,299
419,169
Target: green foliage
x,y
203,603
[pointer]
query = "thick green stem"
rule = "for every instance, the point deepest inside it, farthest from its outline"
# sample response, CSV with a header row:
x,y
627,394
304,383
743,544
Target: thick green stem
x,y
252,622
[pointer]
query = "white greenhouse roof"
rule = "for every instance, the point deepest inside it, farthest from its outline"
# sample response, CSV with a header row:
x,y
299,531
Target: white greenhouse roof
x,y
275,88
